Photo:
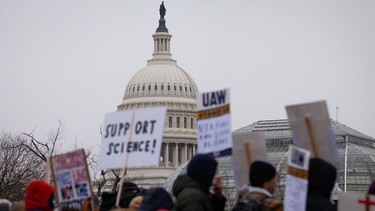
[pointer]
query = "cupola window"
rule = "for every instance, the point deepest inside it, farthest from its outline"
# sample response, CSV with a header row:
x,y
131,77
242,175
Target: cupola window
x,y
178,122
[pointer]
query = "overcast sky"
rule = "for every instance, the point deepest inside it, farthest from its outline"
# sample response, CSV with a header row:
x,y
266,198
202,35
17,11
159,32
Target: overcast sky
x,y
73,59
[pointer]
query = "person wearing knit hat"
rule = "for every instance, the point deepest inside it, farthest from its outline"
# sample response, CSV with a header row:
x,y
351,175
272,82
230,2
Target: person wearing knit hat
x,y
262,177
39,196
261,173
322,177
192,189
155,199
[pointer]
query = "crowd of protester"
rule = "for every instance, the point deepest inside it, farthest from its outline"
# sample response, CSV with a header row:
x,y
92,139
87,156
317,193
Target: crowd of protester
x,y
200,189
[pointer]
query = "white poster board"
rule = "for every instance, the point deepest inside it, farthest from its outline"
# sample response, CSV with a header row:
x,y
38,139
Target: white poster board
x,y
214,123
311,130
72,180
132,136
247,148
349,201
296,182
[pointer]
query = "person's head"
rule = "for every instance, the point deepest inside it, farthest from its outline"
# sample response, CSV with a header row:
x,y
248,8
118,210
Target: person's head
x,y
129,191
135,203
39,195
371,188
263,175
322,177
202,168
155,199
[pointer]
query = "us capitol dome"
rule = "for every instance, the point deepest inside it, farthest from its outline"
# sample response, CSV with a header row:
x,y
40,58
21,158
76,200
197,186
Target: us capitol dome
x,y
162,83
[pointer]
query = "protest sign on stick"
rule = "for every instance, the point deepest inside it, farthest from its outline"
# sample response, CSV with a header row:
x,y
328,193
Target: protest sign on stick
x,y
214,123
311,130
247,148
72,181
296,182
135,135
131,138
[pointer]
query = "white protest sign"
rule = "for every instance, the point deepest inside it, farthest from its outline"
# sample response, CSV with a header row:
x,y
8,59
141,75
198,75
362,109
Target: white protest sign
x,y
296,182
349,201
214,123
311,130
72,180
247,147
133,134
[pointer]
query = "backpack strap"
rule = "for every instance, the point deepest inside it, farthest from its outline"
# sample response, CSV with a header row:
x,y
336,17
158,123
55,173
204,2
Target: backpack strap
x,y
260,198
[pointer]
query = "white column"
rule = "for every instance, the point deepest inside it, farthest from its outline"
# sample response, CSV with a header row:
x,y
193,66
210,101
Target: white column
x,y
169,45
166,155
166,44
189,153
185,153
176,158
193,149
155,45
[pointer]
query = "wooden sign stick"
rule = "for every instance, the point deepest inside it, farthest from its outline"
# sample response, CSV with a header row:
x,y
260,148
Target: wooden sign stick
x,y
123,172
247,146
311,135
48,171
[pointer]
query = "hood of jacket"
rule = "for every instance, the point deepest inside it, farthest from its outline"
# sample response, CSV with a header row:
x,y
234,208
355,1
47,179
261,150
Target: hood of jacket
x,y
39,195
184,181
322,177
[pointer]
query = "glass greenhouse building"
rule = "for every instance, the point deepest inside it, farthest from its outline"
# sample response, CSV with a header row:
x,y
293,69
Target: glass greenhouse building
x,y
356,151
